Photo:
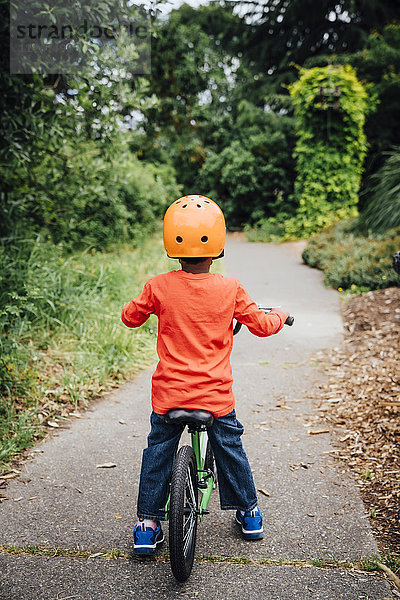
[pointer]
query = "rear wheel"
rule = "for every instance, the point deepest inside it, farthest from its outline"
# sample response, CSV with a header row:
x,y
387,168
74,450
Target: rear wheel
x,y
183,513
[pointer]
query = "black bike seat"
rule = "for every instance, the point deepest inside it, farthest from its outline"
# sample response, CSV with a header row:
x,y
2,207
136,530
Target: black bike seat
x,y
189,417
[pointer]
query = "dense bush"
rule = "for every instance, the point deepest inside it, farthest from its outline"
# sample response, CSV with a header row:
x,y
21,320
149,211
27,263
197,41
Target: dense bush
x,y
382,210
379,64
252,177
354,262
265,230
330,107
75,190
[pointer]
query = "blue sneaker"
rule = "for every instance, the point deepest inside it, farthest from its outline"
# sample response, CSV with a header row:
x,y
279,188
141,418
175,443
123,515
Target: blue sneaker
x,y
251,523
147,539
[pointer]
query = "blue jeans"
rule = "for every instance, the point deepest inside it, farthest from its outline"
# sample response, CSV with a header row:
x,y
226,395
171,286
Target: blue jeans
x,y
235,480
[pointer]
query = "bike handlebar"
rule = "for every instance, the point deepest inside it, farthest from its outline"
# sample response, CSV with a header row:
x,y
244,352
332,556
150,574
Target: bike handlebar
x,y
289,321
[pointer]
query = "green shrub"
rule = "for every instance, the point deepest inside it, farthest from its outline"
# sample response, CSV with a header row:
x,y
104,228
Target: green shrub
x,y
265,230
382,210
330,107
61,338
354,262
252,176
83,198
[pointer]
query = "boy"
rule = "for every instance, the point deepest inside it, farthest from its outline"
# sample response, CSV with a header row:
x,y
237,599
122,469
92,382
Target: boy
x,y
195,309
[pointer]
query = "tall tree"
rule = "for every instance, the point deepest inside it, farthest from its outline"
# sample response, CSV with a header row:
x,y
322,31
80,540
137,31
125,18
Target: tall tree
x,y
282,32
190,77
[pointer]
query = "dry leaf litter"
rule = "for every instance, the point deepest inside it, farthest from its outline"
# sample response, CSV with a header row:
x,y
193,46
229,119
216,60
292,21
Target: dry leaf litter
x,y
362,403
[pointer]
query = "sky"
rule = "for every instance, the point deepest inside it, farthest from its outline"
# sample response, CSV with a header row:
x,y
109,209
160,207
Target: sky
x,y
194,3
176,3
166,7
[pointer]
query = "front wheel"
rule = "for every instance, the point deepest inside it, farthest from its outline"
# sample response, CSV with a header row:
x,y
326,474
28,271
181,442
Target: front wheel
x,y
183,513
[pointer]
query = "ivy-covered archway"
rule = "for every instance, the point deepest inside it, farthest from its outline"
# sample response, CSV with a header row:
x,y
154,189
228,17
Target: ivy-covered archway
x,y
330,107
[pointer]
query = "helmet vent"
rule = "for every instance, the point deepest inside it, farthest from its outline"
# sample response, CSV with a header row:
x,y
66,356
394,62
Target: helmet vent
x,y
179,239
204,239
198,205
184,205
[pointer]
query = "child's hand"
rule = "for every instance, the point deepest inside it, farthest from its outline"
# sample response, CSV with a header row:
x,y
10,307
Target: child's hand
x,y
287,318
281,312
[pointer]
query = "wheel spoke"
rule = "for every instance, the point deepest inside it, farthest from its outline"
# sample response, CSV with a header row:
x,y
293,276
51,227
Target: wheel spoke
x,y
188,535
190,521
192,497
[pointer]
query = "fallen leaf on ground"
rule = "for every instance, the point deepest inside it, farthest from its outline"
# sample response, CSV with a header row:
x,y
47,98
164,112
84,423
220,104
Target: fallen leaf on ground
x,y
10,476
364,373
298,465
318,431
52,424
263,492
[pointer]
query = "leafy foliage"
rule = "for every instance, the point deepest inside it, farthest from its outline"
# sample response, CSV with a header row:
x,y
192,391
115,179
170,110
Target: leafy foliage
x,y
66,166
72,177
382,211
354,262
378,65
62,340
278,35
189,77
330,105
252,176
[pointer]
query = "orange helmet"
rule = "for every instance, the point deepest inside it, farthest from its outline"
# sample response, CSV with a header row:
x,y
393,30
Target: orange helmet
x,y
194,226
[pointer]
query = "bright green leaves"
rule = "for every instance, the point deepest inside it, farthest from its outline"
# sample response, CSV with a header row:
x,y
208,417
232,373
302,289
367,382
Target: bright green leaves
x,y
330,107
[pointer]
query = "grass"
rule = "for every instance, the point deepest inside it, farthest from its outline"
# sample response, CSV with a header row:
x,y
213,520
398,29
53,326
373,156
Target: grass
x,y
51,552
63,342
368,564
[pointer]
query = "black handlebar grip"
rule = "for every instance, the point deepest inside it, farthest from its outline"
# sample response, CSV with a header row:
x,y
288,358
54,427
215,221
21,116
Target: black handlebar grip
x,y
237,328
289,321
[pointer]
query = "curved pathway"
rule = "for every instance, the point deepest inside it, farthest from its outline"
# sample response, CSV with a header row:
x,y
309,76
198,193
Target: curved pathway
x,y
312,509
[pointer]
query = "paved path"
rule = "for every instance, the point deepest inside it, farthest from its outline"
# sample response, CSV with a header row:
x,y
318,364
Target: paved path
x,y
312,509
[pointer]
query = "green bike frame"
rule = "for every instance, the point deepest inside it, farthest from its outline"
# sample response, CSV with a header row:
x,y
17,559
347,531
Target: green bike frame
x,y
205,481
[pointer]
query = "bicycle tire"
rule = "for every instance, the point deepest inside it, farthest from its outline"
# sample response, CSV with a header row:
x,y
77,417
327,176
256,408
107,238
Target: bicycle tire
x,y
209,462
183,513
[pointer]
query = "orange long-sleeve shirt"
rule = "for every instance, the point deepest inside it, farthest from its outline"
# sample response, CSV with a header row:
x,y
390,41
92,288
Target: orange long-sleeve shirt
x,y
194,344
